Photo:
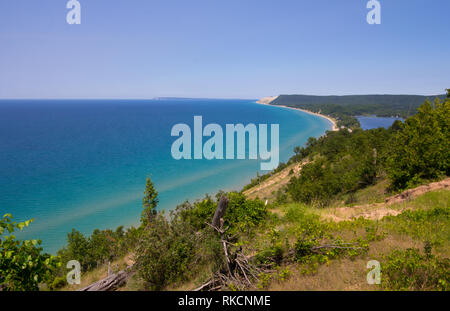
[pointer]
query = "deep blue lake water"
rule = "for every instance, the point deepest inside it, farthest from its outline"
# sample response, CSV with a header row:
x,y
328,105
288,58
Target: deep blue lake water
x,y
368,123
82,164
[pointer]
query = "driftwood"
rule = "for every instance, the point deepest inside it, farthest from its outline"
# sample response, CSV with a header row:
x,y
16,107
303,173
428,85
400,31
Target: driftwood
x,y
110,283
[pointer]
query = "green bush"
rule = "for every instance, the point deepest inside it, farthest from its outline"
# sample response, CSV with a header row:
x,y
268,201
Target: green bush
x,y
410,270
317,245
102,246
164,253
172,251
23,266
58,282
421,148
243,214
273,254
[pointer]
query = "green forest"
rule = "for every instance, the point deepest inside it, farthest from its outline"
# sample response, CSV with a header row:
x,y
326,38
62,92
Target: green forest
x,y
345,108
267,244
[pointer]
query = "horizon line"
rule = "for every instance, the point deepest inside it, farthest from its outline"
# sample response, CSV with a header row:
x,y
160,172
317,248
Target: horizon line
x,y
220,98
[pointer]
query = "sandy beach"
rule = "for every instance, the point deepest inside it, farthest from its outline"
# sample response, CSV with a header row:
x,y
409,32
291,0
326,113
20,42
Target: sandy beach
x,y
269,100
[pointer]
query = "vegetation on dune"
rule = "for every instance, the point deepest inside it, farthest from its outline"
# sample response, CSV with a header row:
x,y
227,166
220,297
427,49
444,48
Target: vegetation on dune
x,y
421,146
343,162
181,247
411,270
100,247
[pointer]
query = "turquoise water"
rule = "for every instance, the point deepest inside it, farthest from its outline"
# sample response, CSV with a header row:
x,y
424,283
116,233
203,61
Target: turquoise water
x,y
82,164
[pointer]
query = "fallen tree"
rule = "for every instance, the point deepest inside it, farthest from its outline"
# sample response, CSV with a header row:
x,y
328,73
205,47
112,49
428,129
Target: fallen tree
x,y
110,283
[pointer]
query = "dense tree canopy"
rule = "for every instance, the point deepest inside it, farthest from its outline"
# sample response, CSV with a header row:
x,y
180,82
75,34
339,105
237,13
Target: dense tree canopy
x,y
343,162
421,148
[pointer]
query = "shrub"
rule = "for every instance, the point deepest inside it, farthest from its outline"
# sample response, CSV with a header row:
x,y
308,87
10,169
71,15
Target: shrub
x,y
172,251
242,214
410,270
58,282
421,148
164,253
23,266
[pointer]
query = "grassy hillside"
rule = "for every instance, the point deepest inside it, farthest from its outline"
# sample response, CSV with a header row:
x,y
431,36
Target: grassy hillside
x,y
342,200
391,234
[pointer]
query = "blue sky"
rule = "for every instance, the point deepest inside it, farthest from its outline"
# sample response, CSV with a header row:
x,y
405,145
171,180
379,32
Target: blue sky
x,y
222,49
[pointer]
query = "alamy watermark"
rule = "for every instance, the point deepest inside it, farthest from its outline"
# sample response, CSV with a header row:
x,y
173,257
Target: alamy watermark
x,y
74,15
374,275
74,275
213,148
374,15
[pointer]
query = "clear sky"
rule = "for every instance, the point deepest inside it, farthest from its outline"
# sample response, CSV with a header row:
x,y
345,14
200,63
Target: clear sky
x,y
222,49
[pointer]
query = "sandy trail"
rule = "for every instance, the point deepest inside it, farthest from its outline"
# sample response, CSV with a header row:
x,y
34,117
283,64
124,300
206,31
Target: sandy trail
x,y
379,210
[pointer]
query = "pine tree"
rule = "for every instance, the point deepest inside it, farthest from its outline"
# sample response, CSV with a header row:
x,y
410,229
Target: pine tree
x,y
149,202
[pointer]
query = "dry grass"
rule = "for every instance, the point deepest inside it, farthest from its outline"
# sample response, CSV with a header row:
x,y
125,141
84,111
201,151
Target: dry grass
x,y
343,274
100,273
372,211
338,275
347,274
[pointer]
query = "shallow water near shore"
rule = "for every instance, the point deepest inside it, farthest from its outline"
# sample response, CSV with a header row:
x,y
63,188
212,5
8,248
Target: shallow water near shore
x,y
82,163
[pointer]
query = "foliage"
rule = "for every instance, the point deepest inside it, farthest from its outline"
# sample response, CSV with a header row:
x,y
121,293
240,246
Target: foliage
x,y
171,251
23,266
421,149
102,246
317,245
198,214
241,215
431,225
410,270
274,252
174,248
58,283
341,163
356,105
164,253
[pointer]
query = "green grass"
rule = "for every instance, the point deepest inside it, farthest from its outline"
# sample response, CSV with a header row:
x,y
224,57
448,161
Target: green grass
x,y
429,219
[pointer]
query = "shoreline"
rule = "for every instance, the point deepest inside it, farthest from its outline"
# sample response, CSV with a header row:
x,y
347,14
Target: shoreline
x,y
268,100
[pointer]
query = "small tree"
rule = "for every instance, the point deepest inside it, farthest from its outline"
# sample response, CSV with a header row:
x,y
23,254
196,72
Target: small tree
x,y
149,203
448,93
